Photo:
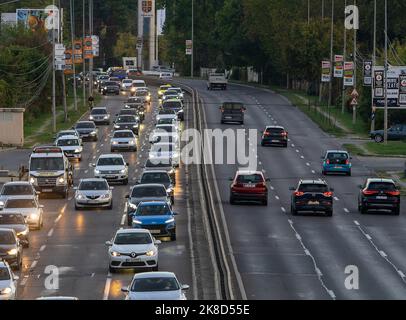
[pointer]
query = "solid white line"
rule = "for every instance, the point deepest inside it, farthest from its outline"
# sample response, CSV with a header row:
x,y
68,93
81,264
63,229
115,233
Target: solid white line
x,y
368,237
42,248
276,197
107,287
356,223
33,264
283,209
51,232
59,218
123,219
336,199
293,145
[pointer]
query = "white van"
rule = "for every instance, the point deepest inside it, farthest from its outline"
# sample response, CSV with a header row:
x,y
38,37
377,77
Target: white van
x,y
166,76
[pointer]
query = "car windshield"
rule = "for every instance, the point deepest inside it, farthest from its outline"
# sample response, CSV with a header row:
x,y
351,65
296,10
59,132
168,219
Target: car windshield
x,y
172,104
47,164
133,100
110,83
94,185
132,238
232,106
4,274
171,92
67,142
159,148
110,162
337,156
163,88
128,134
167,112
166,121
150,192
11,219
313,187
85,125
153,210
16,190
66,133
155,177
154,284
20,204
250,178
128,112
7,238
166,128
99,111
126,119
141,93
384,186
127,81
159,163
138,84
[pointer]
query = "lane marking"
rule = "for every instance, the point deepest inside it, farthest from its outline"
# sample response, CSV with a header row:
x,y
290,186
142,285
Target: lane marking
x,y
107,287
51,232
276,197
42,248
59,218
34,264
336,199
314,172
307,164
301,157
283,209
346,210
123,219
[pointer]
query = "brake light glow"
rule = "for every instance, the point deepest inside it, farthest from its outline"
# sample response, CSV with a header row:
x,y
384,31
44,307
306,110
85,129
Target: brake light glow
x,y
284,134
266,133
299,193
347,162
327,161
369,192
393,193
328,194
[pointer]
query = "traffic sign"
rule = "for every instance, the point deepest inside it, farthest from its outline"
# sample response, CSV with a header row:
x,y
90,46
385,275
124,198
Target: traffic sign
x,y
354,102
354,93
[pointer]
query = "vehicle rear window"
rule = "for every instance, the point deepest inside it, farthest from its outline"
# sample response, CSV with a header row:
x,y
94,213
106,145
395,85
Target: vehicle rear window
x,y
275,130
385,186
11,219
172,104
4,274
68,142
126,134
154,284
6,237
251,178
313,187
337,155
232,106
153,177
142,192
110,83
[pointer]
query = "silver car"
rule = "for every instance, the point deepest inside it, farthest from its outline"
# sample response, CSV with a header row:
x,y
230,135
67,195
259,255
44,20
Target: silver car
x,y
93,193
111,167
161,164
100,115
18,188
17,222
8,282
123,140
29,207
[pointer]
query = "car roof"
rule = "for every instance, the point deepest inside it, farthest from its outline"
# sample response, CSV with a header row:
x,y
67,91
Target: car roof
x,y
274,127
172,100
146,275
149,185
154,171
22,197
103,156
57,298
336,151
17,183
122,131
133,231
152,203
380,180
318,181
92,179
68,137
248,172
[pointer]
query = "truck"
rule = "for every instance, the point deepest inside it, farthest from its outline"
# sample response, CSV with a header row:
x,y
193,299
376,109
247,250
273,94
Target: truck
x,y
50,171
129,63
217,80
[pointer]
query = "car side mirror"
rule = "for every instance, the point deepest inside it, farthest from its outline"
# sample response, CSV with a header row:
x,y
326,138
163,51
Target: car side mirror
x,y
125,289
185,287
157,242
109,243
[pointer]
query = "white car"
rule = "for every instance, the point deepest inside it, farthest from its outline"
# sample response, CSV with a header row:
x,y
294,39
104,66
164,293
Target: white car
x,y
132,249
169,121
166,114
126,85
166,76
29,207
71,146
59,298
123,140
17,188
8,282
111,167
166,150
155,286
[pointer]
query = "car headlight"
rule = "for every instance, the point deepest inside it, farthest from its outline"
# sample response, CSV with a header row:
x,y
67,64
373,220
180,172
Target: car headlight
x,y
97,171
12,252
150,253
148,98
135,126
78,150
23,233
61,180
6,290
105,88
106,117
132,89
80,196
91,118
137,221
115,253
34,216
172,172
105,196
122,171
131,142
170,220
116,126
115,143
141,112
169,190
33,180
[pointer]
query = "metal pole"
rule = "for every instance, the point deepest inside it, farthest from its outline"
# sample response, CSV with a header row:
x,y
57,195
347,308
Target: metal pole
x,y
308,12
345,59
386,75
322,9
193,43
65,104
91,59
72,31
83,52
373,66
330,89
53,75
354,108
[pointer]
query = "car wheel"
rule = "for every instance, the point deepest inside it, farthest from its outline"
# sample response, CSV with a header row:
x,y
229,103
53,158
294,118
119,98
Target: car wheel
x,y
232,201
396,212
363,210
293,211
378,138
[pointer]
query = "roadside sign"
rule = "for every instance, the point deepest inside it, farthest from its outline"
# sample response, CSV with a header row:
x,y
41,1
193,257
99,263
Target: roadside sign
x,y
338,66
325,71
349,74
95,46
354,93
393,86
78,53
354,102
69,61
139,43
402,90
368,73
88,48
189,47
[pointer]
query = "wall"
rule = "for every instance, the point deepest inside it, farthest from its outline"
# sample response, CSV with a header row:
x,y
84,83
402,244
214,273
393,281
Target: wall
x,y
12,127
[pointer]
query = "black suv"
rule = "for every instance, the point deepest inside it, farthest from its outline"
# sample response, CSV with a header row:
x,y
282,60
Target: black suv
x,y
313,196
232,112
379,194
275,135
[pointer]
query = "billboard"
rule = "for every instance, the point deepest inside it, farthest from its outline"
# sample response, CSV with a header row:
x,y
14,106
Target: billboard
x,y
88,48
147,8
349,74
45,20
393,86
338,66
325,71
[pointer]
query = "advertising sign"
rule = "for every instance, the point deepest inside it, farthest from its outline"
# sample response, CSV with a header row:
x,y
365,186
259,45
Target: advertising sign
x,y
77,52
393,86
349,74
325,71
189,47
338,66
95,46
367,73
40,20
402,90
68,61
88,48
147,8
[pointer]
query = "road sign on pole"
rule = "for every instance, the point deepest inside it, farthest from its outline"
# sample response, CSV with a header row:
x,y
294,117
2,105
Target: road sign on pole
x,y
189,47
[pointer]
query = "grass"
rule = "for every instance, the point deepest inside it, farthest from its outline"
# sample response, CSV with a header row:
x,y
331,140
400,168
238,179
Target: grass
x,y
392,148
354,149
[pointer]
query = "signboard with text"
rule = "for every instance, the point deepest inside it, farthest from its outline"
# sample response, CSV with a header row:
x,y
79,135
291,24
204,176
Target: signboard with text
x,y
189,47
367,73
325,71
348,73
78,52
338,66
146,6
394,89
88,48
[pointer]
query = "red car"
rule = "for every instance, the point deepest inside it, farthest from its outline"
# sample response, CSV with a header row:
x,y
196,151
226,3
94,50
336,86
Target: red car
x,y
249,186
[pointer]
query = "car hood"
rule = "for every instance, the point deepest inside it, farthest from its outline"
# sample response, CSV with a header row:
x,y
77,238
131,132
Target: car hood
x,y
159,295
25,211
16,227
6,247
71,148
46,174
153,219
137,248
93,193
136,201
122,139
110,168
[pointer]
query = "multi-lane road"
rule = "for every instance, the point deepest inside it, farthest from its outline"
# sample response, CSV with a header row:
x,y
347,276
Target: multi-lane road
x,y
271,254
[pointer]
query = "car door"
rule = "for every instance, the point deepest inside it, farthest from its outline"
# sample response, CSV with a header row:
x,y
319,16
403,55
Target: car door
x,y
395,132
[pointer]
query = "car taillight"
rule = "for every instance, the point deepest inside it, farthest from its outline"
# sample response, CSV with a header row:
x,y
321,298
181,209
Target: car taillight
x,y
266,133
260,185
393,193
327,161
328,194
284,134
347,162
299,193
222,110
369,192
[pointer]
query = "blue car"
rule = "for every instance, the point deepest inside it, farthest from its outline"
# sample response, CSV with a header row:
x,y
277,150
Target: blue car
x,y
157,217
336,161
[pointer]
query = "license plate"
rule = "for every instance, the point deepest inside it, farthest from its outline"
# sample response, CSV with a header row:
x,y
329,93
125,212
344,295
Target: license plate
x,y
275,140
338,167
382,198
249,185
46,190
314,203
155,231
110,176
133,260
228,117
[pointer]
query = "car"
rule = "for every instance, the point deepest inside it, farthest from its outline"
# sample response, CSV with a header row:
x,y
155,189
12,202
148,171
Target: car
x,y
11,250
162,164
158,177
379,194
166,150
155,286
67,133
249,186
175,105
29,207
100,115
137,84
144,193
139,109
162,136
8,282
17,222
17,188
57,298
165,76
167,128
87,130
336,161
133,248
71,146
128,112
274,135
110,87
166,114
178,91
157,217
168,121
93,193
397,132
111,167
100,79
312,196
169,96
127,123
116,80
232,112
162,89
123,140
126,84
144,94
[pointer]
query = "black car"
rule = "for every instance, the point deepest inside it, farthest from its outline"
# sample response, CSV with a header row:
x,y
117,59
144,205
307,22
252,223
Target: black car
x,y
110,87
312,196
87,130
275,135
232,112
379,194
127,123
139,108
127,112
397,132
17,222
11,250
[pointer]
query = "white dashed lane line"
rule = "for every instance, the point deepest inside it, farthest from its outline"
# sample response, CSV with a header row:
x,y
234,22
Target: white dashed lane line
x,y
51,232
42,248
34,264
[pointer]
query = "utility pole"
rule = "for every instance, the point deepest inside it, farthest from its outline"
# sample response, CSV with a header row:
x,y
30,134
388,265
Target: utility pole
x,y
386,75
193,40
84,60
373,66
354,108
65,105
72,31
91,59
345,59
322,10
330,89
53,74
308,12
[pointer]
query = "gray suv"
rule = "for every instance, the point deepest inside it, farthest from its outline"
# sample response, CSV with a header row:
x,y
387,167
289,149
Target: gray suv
x,y
232,112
